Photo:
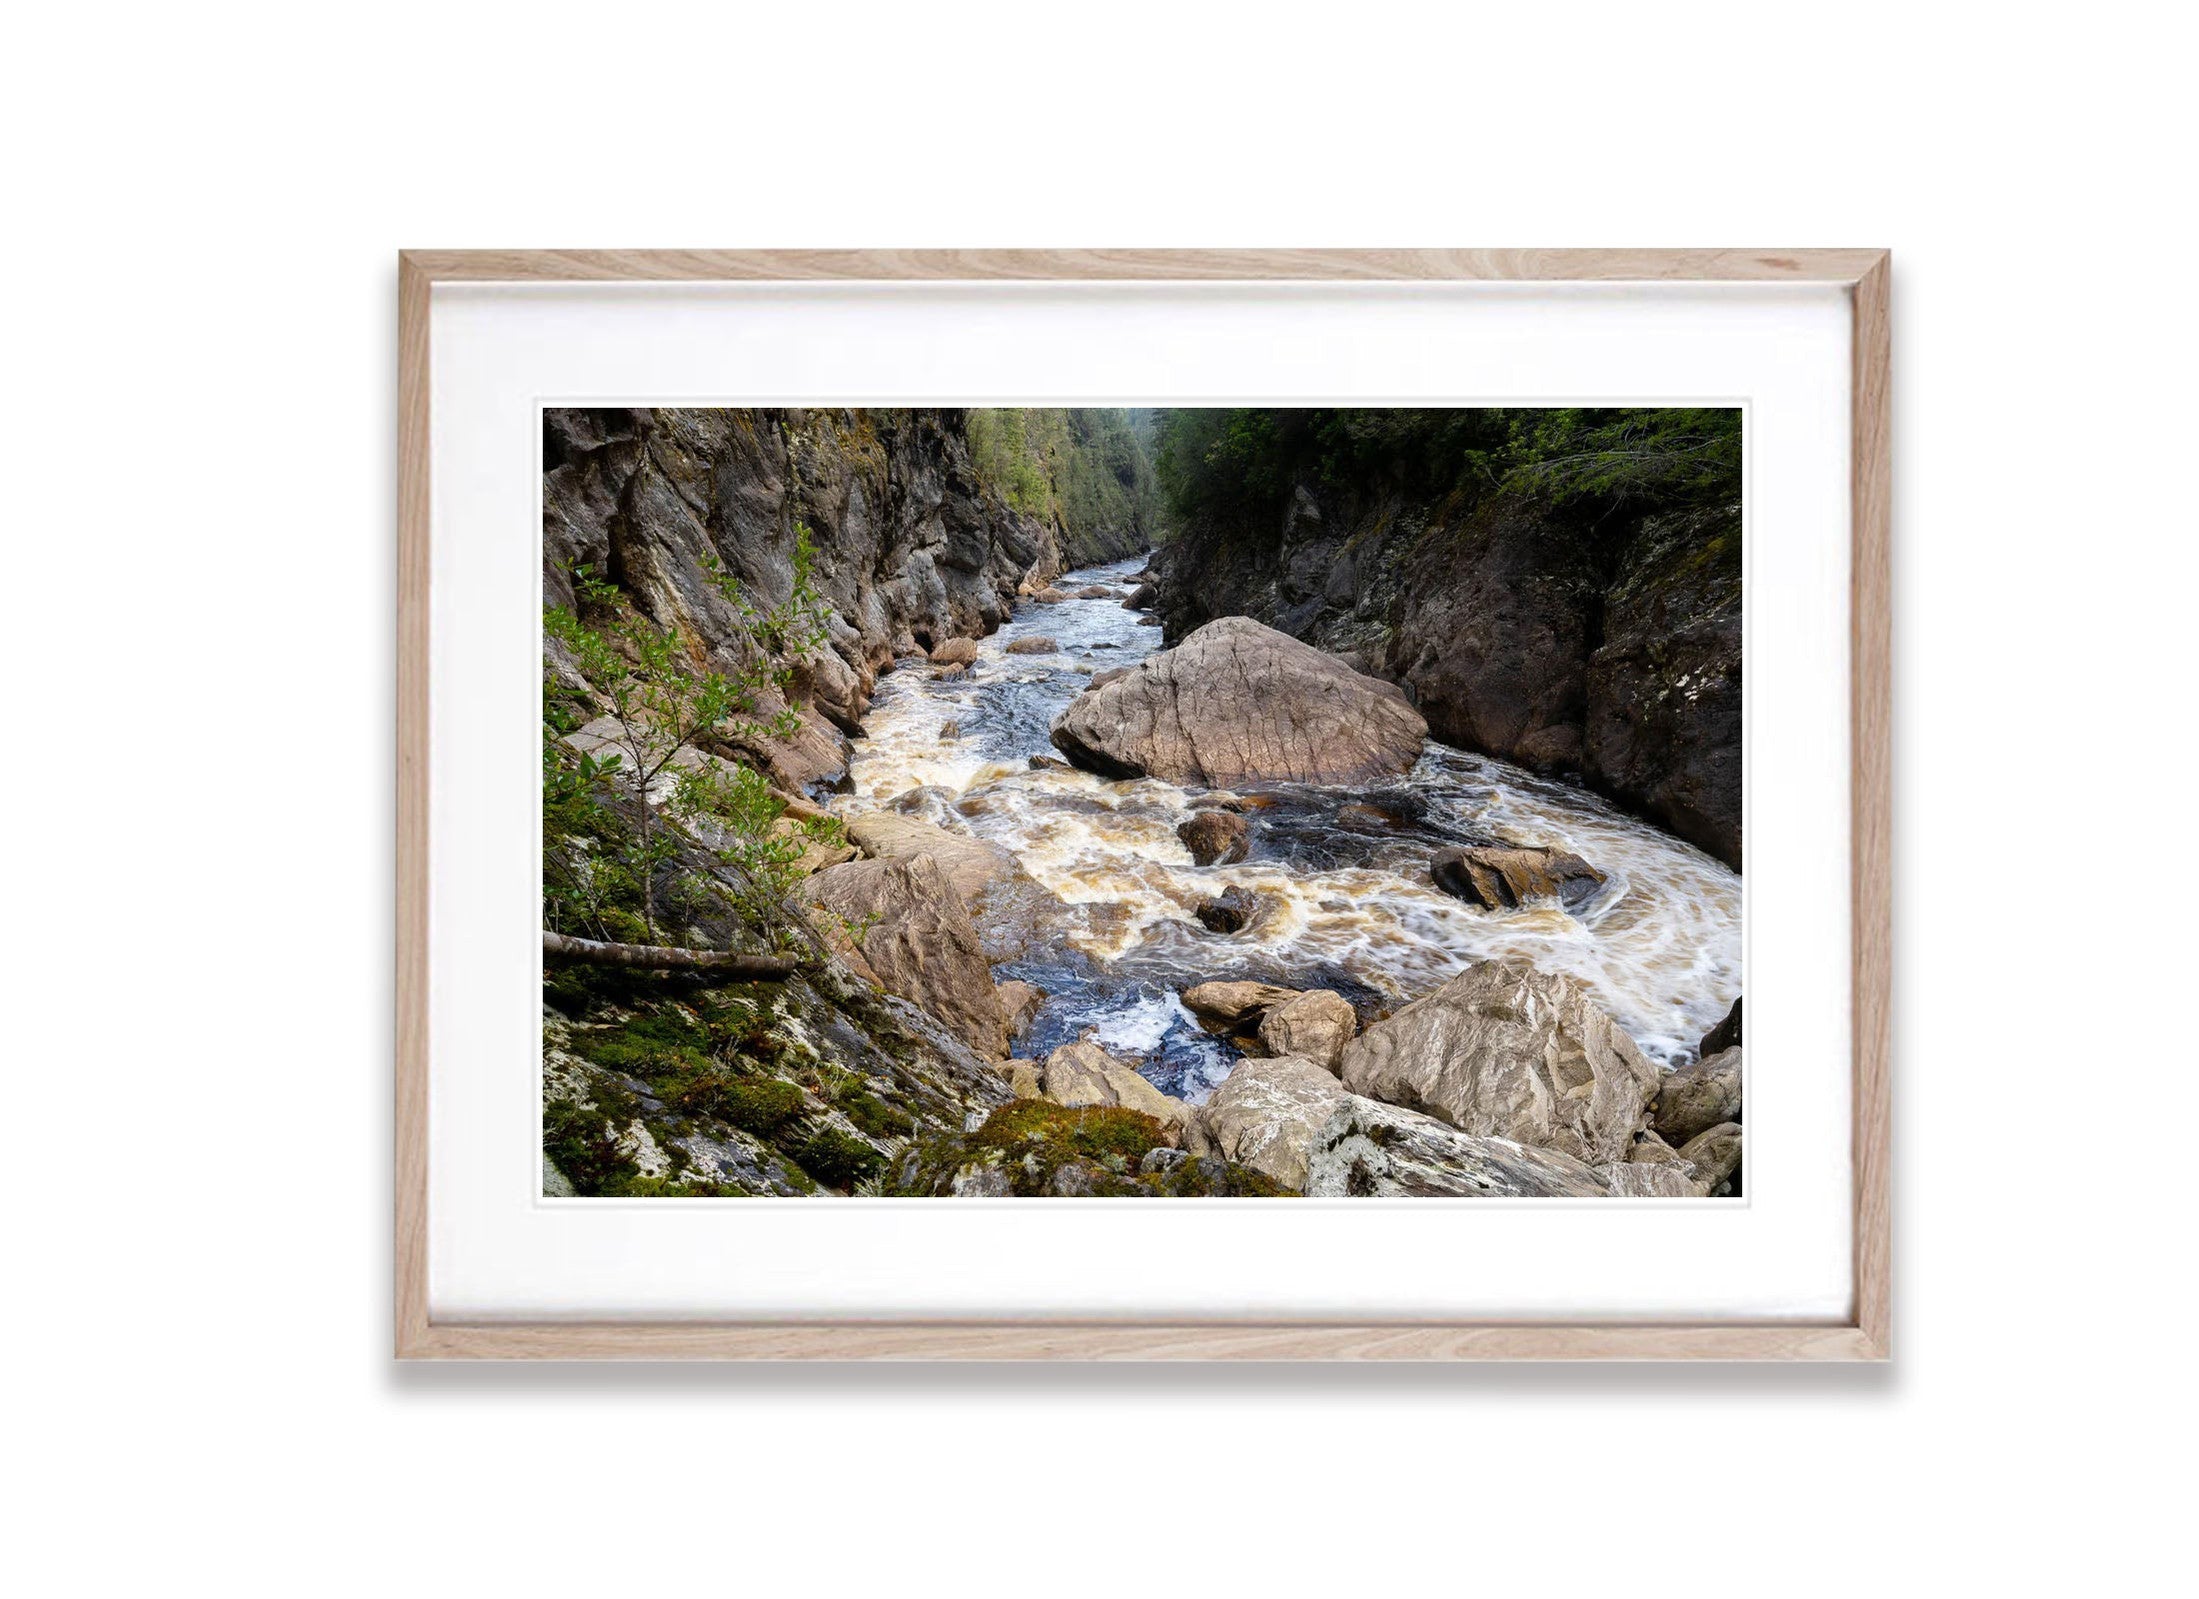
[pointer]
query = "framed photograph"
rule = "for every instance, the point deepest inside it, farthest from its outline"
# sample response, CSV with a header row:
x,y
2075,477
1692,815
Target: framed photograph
x,y
1142,804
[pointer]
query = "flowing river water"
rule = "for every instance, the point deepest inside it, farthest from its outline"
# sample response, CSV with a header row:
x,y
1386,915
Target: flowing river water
x,y
1344,872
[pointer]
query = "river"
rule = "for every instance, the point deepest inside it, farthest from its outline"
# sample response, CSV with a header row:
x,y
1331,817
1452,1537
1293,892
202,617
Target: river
x,y
1352,905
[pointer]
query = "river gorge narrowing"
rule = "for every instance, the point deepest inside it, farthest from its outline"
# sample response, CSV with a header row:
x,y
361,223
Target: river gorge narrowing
x,y
1343,874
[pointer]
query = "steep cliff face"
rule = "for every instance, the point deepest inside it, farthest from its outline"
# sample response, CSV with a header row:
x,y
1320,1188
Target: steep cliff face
x,y
1606,647
912,548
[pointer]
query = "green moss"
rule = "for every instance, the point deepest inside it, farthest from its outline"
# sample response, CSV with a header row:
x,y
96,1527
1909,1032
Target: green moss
x,y
660,1040
1060,1133
836,1159
759,1106
872,1114
584,1145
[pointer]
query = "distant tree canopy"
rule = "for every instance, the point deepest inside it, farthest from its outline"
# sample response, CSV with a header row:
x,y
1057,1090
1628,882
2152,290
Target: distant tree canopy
x,y
1233,463
1087,469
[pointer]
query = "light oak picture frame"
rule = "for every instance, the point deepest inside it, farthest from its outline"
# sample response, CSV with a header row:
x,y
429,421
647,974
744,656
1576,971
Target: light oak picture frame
x,y
1863,1335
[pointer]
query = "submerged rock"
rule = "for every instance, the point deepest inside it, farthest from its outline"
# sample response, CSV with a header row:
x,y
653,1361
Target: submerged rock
x,y
1216,837
1503,878
1506,1051
1696,1098
1230,911
1315,1026
1035,644
1376,1151
1240,703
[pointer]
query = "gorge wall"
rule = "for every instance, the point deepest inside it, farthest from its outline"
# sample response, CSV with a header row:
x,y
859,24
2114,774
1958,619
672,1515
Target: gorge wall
x,y
916,539
1578,640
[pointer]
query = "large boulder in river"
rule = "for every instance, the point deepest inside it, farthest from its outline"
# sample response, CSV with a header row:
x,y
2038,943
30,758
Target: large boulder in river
x,y
1215,837
1502,878
1230,911
1265,1116
1506,1051
1238,703
954,652
916,941
1315,1027
1032,644
1696,1098
1375,1151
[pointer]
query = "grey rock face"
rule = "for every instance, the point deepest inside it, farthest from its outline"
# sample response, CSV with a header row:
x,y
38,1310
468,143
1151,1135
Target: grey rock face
x,y
1696,1098
1239,703
1505,1051
1376,1151
911,549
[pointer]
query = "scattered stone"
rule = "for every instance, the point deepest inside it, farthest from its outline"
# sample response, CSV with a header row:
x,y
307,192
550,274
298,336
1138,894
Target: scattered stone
x,y
1094,591
1238,703
1216,837
1235,1007
1265,1116
1715,1153
1506,1051
1033,644
1500,879
1377,1151
1315,1026
1161,1160
1085,1074
954,652
1696,1098
1049,596
980,1181
1019,1002
1229,911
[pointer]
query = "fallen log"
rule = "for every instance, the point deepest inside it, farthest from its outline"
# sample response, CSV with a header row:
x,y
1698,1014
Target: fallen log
x,y
664,958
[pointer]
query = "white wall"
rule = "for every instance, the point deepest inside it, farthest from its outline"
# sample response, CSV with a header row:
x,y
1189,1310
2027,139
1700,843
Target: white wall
x,y
198,399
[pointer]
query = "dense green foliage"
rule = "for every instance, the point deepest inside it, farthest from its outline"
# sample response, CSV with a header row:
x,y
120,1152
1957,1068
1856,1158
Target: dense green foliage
x,y
1087,470
1241,464
605,865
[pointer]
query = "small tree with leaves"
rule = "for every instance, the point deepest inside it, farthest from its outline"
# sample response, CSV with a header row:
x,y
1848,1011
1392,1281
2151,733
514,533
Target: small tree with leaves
x,y
663,705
